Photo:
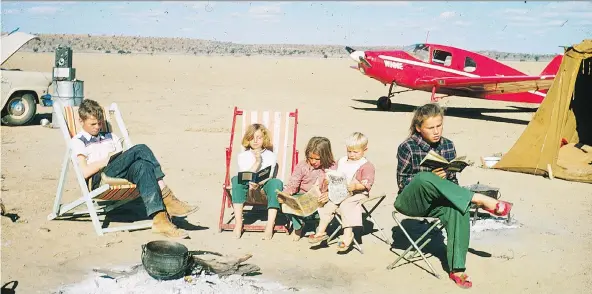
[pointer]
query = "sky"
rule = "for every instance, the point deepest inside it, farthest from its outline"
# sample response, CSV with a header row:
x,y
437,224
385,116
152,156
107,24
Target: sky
x,y
531,27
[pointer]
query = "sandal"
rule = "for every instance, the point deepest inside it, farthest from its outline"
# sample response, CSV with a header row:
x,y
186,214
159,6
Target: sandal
x,y
313,239
341,247
496,211
462,281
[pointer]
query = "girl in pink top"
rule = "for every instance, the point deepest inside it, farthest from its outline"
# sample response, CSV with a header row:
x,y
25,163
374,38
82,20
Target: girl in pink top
x,y
319,157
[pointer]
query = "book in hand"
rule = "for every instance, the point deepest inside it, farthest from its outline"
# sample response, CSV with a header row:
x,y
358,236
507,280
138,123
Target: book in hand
x,y
337,186
303,205
247,176
434,160
114,155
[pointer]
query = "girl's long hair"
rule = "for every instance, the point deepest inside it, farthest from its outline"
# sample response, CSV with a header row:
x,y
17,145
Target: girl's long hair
x,y
250,133
322,147
422,113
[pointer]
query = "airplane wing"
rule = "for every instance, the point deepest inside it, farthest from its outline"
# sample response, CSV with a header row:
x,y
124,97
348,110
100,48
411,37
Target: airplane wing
x,y
490,84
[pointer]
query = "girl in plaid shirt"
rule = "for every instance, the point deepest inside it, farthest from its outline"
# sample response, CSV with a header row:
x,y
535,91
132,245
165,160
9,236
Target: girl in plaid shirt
x,y
435,193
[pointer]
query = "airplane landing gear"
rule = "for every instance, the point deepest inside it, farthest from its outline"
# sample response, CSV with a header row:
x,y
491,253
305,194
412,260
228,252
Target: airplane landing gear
x,y
384,102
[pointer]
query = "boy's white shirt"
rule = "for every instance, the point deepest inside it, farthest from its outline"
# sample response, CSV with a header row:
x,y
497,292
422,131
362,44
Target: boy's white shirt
x,y
246,159
95,151
349,168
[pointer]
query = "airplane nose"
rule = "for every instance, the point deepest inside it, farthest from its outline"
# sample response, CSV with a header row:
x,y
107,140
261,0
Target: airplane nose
x,y
355,55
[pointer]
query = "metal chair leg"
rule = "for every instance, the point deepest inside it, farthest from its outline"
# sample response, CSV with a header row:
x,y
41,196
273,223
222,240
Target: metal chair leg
x,y
414,245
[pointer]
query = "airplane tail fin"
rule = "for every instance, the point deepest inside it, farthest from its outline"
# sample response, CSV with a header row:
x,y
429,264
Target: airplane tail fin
x,y
553,66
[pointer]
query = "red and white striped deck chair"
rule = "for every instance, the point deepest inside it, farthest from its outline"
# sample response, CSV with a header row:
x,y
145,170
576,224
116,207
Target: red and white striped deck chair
x,y
107,196
283,127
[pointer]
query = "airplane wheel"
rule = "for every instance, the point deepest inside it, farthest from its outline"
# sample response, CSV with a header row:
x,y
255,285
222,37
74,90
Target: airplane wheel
x,y
384,103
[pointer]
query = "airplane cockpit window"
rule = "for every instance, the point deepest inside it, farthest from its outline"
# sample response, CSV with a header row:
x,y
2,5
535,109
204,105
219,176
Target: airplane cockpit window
x,y
442,57
470,65
419,51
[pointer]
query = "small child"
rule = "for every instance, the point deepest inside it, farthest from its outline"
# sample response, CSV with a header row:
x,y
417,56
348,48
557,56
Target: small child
x,y
309,172
258,155
359,173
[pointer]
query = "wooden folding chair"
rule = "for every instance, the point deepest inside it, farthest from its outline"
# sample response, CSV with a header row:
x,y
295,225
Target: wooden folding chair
x,y
435,224
283,134
368,215
106,197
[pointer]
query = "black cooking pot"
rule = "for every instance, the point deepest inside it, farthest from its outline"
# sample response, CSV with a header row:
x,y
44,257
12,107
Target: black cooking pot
x,y
165,260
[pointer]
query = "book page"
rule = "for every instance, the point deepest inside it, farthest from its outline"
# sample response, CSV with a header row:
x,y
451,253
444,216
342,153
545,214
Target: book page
x,y
337,186
434,160
303,205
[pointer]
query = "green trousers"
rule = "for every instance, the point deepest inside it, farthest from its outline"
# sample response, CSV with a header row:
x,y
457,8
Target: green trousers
x,y
428,195
299,221
239,191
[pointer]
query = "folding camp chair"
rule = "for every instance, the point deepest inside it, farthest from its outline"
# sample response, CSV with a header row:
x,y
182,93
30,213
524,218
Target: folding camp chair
x,y
106,197
434,224
368,215
283,134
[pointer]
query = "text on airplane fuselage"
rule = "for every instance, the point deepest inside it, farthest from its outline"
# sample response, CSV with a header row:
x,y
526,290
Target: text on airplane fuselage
x,y
393,64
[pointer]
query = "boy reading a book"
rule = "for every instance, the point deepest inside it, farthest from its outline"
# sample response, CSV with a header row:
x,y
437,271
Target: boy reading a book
x,y
427,192
94,150
257,156
359,174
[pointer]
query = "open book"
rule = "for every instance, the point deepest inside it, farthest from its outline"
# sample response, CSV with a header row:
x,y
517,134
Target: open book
x,y
435,160
303,205
247,176
337,186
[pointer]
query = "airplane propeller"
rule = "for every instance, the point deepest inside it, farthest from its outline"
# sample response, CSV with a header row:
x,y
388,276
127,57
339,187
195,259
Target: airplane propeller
x,y
358,56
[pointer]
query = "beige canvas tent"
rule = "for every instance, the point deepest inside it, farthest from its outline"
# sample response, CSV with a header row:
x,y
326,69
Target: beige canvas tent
x,y
565,113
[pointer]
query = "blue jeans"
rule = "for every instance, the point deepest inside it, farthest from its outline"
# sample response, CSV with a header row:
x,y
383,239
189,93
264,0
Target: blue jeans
x,y
139,166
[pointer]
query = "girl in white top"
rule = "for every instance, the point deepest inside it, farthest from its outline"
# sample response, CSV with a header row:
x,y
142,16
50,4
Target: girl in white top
x,y
258,155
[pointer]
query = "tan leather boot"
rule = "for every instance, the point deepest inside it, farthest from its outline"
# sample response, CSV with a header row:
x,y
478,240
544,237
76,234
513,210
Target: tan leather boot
x,y
174,206
162,224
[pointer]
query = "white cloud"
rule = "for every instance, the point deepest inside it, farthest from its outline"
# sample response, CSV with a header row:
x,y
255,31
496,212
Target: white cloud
x,y
10,11
462,23
549,15
44,10
266,12
379,3
448,14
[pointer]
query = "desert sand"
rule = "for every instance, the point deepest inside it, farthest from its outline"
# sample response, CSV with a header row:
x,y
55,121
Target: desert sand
x,y
181,106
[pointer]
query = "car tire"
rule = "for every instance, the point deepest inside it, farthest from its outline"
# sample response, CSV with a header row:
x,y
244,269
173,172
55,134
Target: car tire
x,y
23,109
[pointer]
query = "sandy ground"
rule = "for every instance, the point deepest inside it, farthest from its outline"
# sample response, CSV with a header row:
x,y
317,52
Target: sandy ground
x,y
181,106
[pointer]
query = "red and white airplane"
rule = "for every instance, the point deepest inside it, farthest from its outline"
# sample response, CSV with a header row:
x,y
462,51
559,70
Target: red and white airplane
x,y
452,71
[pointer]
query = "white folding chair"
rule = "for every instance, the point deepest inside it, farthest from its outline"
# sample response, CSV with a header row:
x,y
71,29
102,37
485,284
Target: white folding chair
x,y
106,197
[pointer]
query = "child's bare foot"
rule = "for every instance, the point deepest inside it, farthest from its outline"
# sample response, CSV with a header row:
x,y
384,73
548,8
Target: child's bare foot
x,y
238,231
268,234
296,235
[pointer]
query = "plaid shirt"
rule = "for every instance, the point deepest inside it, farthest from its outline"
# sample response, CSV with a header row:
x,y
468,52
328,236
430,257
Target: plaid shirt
x,y
413,150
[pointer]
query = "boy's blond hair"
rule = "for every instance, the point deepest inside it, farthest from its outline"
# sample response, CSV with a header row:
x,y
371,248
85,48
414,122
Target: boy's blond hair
x,y
90,108
356,140
250,133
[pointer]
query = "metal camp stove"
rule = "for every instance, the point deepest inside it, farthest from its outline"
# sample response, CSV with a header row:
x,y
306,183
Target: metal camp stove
x,y
486,190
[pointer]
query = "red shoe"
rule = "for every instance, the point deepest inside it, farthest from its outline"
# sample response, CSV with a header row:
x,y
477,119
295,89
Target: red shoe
x,y
497,212
462,281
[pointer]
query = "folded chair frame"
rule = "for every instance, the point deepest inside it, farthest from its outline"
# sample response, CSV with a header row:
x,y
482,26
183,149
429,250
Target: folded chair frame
x,y
368,215
113,196
417,245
